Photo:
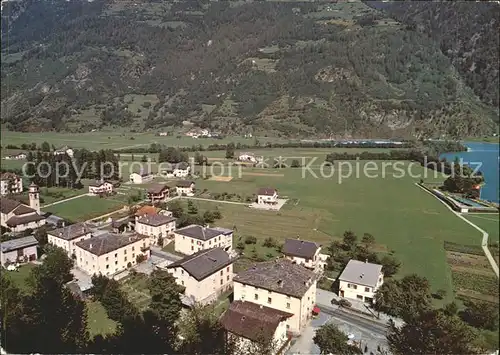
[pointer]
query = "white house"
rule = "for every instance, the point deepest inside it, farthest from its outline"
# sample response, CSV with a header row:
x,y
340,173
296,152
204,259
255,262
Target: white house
x,y
194,238
10,183
158,193
64,150
141,178
267,195
108,253
18,217
100,187
205,275
182,170
303,253
247,157
68,236
19,250
155,226
360,280
280,284
185,187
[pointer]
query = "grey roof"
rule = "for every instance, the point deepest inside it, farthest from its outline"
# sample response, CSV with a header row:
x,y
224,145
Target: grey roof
x,y
184,183
23,219
362,273
282,276
252,321
7,205
224,231
72,231
300,248
23,209
18,243
182,165
158,188
108,242
203,263
53,219
199,232
268,191
155,220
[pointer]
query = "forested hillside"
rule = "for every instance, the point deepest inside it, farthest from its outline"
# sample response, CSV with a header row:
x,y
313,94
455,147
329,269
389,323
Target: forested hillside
x,y
279,68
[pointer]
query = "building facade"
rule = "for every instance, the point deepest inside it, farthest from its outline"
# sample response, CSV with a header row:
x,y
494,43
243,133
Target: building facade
x,y
67,237
194,238
19,250
205,274
10,183
304,253
360,280
267,196
141,178
155,227
18,217
100,187
108,254
158,193
185,187
282,285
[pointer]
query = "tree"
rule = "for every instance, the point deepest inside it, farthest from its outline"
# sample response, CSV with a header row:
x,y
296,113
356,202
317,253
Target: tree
x,y
200,159
269,242
176,208
368,240
192,209
56,266
240,246
230,151
451,309
208,217
165,296
480,314
144,159
201,332
295,164
116,303
330,339
349,240
390,265
432,332
405,298
45,147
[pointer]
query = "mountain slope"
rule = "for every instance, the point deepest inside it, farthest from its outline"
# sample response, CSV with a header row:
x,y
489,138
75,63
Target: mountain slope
x,y
289,69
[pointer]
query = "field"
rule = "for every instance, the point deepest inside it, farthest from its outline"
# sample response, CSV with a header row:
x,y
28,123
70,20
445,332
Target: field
x,y
85,208
489,223
113,139
402,218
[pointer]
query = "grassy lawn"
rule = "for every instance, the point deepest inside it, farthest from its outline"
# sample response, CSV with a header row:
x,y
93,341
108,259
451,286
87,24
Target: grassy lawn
x,y
487,222
137,291
53,194
20,277
85,208
97,319
170,248
401,216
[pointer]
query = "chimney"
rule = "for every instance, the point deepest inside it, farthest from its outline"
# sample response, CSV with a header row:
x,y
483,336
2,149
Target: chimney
x,y
261,306
280,283
361,276
366,261
90,246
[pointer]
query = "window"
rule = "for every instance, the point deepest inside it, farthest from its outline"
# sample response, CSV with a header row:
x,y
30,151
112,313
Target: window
x,y
287,327
221,281
116,262
359,297
256,297
352,286
192,247
132,248
227,269
125,258
116,255
107,266
269,300
106,258
288,305
125,252
133,255
192,241
210,242
367,289
221,272
182,272
227,278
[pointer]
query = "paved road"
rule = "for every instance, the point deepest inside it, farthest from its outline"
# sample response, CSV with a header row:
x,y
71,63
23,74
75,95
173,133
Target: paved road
x,y
164,255
211,200
65,200
370,325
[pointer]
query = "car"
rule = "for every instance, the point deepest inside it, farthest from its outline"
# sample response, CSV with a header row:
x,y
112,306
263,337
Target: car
x,y
12,267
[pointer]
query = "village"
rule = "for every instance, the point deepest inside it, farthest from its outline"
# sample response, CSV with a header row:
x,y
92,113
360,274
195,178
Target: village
x,y
278,296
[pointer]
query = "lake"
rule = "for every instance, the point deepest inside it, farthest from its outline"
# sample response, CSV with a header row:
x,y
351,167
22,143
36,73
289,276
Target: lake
x,y
487,155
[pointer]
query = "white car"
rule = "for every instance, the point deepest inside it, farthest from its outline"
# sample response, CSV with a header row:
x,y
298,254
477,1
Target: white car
x,y
12,267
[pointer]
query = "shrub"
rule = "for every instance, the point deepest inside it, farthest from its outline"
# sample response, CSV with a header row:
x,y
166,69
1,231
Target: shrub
x,y
269,242
250,240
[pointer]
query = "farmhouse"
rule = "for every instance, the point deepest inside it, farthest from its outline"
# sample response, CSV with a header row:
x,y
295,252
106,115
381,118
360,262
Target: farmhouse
x,y
155,226
64,150
100,187
360,280
194,238
205,274
18,217
19,250
181,170
158,193
303,253
10,183
267,196
67,237
247,157
140,178
281,285
247,323
185,187
109,254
